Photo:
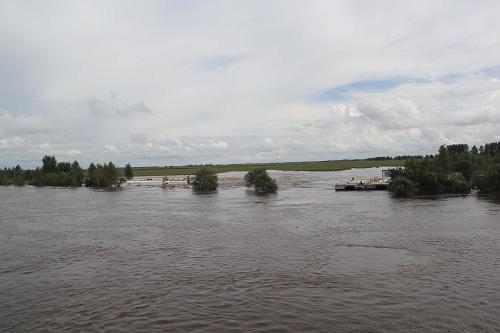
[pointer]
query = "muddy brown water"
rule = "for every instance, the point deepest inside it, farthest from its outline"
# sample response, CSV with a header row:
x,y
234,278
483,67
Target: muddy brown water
x,y
307,259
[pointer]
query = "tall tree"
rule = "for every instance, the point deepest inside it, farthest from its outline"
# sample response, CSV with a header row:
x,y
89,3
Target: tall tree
x,y
128,173
49,164
444,158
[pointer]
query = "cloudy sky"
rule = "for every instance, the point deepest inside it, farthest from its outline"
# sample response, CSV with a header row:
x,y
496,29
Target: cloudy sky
x,y
174,82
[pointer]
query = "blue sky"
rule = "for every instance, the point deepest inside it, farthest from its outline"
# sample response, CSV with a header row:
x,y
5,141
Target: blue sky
x,y
348,91
169,82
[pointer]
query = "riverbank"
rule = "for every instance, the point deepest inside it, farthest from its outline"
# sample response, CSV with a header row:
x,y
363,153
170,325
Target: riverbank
x,y
286,166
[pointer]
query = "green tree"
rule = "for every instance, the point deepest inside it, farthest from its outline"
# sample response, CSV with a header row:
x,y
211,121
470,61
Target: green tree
x,y
128,173
49,164
488,180
261,181
456,183
251,175
456,149
64,166
77,174
106,175
444,158
205,181
402,187
91,178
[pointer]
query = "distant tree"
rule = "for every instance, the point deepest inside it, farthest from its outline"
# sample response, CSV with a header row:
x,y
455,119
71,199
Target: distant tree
x,y
49,164
456,149
444,158
205,181
106,175
128,173
474,150
489,181
111,175
64,166
91,177
492,148
464,166
77,174
456,183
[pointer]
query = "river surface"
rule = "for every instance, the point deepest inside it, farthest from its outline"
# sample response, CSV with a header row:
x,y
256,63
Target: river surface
x,y
307,259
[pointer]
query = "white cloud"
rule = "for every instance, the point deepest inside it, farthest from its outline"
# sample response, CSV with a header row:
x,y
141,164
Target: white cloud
x,y
111,148
73,152
218,144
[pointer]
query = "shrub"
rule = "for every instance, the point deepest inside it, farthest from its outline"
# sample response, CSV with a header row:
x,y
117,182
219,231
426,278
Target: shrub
x,y
456,183
251,175
402,187
261,181
489,182
205,181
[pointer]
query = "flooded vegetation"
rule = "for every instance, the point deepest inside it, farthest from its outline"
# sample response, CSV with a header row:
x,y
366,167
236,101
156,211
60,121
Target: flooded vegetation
x,y
455,169
147,258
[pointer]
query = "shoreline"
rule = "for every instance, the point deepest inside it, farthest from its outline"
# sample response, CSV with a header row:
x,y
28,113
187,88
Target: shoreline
x,y
288,166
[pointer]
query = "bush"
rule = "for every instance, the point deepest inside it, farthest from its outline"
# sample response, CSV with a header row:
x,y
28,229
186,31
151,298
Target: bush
x,y
456,183
489,182
205,181
402,187
251,175
261,181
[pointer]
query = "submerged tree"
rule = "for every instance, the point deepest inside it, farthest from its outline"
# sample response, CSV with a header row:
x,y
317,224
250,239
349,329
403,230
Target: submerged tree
x,y
402,187
55,173
205,181
106,175
128,173
261,181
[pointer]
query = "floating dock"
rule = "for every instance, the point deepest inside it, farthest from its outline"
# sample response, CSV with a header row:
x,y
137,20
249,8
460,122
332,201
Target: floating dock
x,y
370,185
375,184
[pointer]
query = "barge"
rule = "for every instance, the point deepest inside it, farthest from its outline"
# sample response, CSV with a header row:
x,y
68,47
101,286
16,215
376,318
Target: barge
x,y
374,184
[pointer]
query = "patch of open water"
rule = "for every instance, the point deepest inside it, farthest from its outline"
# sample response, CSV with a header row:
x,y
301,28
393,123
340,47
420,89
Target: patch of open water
x,y
148,259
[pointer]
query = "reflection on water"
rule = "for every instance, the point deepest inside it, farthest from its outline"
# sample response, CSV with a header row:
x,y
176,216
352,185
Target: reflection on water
x,y
145,259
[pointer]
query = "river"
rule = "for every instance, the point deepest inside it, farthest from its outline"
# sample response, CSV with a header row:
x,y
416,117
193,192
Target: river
x,y
308,259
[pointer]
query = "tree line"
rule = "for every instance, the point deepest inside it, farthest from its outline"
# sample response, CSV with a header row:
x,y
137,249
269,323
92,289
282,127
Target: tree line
x,y
454,169
54,173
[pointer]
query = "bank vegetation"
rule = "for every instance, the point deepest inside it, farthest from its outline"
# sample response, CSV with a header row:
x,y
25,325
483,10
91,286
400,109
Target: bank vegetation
x,y
54,173
454,169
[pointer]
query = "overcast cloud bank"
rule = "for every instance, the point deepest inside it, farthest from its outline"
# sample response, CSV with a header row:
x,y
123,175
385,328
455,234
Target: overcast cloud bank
x,y
161,83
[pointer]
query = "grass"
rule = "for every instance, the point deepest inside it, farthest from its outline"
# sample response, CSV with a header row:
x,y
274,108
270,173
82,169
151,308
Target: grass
x,y
287,166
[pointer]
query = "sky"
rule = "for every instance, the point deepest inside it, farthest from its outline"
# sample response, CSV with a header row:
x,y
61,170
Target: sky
x,y
190,82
